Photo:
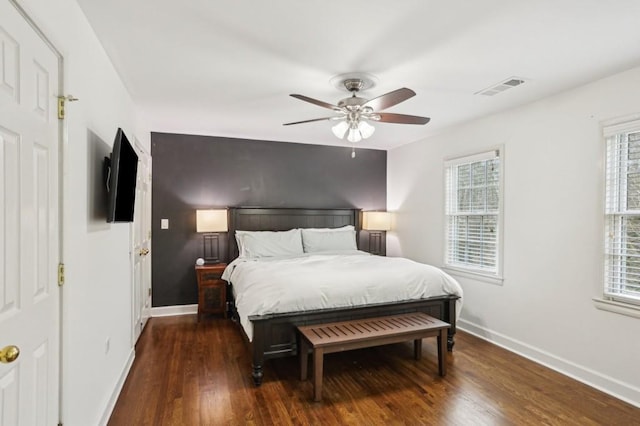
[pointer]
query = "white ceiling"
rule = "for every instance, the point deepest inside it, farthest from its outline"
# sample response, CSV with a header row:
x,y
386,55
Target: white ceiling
x,y
226,67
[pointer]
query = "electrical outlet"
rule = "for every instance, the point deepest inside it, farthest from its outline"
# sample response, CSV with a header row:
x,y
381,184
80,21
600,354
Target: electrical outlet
x,y
107,345
164,223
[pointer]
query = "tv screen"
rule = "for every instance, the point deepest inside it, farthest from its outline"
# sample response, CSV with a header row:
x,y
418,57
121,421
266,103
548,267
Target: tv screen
x,y
121,169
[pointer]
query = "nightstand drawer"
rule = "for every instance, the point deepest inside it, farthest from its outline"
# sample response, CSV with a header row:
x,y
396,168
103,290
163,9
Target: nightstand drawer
x,y
207,277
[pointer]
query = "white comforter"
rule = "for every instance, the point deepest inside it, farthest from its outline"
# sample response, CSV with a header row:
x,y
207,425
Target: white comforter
x,y
330,280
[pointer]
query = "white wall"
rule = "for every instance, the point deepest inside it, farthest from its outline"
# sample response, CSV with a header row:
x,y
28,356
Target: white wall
x,y
97,295
553,224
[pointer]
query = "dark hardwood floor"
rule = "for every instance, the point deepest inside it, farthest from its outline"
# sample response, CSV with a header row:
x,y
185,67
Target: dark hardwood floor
x,y
199,374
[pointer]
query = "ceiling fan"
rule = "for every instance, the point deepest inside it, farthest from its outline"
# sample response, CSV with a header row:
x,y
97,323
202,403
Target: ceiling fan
x,y
354,113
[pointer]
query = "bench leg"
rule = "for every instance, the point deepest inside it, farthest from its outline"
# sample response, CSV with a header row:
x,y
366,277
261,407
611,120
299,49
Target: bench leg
x,y
442,352
304,358
417,349
318,355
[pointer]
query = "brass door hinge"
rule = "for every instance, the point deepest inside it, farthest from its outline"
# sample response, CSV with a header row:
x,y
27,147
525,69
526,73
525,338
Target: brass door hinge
x,y
60,108
60,274
61,102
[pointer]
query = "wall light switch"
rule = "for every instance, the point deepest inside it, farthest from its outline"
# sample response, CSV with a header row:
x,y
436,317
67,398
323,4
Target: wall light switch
x,y
164,223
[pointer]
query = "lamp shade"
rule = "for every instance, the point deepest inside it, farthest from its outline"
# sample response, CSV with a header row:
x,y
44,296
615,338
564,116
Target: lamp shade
x,y
340,129
354,135
211,220
376,221
366,129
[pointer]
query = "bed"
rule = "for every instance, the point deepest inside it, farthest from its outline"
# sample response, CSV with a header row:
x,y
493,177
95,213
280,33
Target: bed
x,y
272,333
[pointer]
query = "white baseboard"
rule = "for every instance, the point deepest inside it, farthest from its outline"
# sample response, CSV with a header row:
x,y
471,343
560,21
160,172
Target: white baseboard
x,y
167,311
118,388
616,388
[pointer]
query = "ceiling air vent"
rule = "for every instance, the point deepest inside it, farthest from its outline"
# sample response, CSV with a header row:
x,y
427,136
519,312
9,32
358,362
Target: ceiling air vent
x,y
509,83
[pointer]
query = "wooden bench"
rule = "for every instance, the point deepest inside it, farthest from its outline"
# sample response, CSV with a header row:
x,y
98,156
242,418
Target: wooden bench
x,y
363,333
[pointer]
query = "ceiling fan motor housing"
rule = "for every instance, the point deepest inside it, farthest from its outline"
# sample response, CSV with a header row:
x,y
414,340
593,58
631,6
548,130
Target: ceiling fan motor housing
x,y
353,84
352,103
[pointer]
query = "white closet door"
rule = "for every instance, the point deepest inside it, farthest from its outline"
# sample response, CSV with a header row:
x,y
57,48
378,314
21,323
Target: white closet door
x,y
142,245
29,294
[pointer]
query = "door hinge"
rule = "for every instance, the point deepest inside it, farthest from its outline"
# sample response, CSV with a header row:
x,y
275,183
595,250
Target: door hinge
x,y
149,291
61,103
60,274
60,107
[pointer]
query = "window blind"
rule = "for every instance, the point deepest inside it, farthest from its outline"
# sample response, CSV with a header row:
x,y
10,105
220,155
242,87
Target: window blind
x,y
472,211
622,203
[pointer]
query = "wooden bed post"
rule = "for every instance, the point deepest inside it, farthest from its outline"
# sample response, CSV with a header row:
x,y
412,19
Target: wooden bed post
x,y
256,372
450,314
257,349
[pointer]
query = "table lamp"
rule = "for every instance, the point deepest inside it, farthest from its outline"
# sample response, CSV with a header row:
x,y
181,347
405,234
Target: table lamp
x,y
376,223
211,222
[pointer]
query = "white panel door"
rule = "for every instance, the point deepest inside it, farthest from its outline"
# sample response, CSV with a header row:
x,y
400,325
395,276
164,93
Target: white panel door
x,y
142,245
29,294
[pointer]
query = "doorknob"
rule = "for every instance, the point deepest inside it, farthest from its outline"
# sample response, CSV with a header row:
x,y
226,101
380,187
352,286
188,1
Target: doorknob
x,y
8,354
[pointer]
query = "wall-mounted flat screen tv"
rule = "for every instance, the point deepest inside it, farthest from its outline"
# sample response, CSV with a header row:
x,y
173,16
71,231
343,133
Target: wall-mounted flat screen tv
x,y
121,171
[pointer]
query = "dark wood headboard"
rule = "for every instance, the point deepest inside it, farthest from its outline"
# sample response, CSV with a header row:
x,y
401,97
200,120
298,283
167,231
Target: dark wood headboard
x,y
283,219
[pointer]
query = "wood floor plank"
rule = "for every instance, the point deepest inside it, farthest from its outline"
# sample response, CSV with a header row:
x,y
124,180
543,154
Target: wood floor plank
x,y
189,373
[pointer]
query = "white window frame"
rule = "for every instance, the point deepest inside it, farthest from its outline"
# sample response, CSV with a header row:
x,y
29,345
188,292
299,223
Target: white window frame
x,y
490,275
616,214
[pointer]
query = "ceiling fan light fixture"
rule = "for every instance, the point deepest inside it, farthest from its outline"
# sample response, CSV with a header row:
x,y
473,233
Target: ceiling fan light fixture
x,y
366,129
340,129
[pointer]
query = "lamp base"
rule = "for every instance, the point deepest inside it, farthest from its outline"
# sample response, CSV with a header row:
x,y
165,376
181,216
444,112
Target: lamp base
x,y
375,242
211,248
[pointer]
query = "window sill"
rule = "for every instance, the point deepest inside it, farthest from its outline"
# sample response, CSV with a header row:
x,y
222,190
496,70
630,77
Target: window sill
x,y
474,275
627,309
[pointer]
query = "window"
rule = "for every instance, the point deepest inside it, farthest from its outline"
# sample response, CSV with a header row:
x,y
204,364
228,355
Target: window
x,y
472,212
622,215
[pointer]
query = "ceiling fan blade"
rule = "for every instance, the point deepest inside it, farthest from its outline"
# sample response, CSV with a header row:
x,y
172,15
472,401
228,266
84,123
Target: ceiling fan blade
x,y
317,102
311,121
387,117
389,99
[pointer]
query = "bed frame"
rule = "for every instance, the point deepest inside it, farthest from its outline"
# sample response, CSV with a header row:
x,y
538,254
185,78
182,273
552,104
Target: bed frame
x,y
274,335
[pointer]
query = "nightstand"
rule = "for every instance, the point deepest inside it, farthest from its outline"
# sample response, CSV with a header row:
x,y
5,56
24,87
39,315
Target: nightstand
x,y
212,289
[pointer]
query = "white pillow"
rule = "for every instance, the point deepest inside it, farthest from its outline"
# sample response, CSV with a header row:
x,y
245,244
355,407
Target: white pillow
x,y
315,240
255,244
239,243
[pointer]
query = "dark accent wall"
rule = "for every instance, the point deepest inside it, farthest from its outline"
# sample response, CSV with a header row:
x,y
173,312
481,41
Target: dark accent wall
x,y
194,172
